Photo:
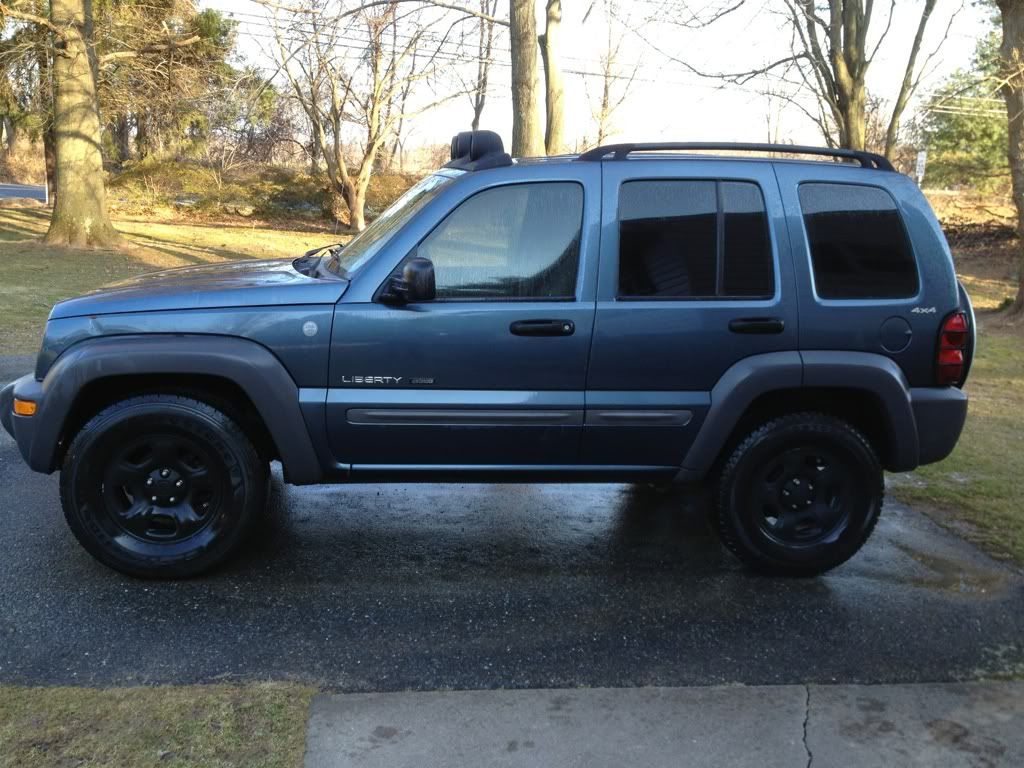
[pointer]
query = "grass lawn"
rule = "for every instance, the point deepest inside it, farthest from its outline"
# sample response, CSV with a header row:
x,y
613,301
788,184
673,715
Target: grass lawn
x,y
34,277
260,725
977,490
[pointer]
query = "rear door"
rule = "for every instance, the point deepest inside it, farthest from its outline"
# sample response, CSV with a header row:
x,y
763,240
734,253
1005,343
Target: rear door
x,y
694,277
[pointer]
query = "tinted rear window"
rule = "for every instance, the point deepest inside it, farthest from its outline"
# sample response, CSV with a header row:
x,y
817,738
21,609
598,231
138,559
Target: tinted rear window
x,y
859,248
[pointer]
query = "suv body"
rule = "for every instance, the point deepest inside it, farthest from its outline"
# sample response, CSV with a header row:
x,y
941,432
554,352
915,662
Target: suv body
x,y
625,315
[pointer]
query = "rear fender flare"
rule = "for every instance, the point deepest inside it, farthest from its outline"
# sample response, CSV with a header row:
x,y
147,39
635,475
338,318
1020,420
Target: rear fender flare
x,y
758,375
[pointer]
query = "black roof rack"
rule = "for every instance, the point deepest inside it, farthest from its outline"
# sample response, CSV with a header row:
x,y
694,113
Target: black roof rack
x,y
622,151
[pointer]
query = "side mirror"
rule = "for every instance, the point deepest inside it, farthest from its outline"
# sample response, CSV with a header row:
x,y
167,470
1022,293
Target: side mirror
x,y
416,283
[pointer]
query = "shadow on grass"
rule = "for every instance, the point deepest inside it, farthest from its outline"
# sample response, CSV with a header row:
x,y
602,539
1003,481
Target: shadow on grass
x,y
189,253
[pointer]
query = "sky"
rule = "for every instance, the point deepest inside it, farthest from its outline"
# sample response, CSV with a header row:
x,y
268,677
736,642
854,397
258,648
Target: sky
x,y
666,101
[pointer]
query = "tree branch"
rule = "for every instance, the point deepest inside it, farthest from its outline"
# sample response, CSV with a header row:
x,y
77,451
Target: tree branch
x,y
376,3
6,10
148,49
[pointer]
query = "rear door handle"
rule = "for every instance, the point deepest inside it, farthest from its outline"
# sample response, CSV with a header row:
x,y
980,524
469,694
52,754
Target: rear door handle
x,y
757,325
543,328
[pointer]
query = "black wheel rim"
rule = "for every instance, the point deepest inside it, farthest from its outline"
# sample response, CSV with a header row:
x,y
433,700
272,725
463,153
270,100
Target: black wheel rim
x,y
164,489
804,497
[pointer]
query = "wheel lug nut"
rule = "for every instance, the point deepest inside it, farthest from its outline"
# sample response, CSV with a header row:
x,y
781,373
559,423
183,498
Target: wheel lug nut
x,y
165,473
153,499
149,481
172,499
182,482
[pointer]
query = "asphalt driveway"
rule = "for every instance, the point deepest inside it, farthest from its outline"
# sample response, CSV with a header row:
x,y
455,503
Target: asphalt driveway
x,y
472,586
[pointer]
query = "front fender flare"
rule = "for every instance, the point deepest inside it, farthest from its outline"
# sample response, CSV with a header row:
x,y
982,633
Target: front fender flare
x,y
249,365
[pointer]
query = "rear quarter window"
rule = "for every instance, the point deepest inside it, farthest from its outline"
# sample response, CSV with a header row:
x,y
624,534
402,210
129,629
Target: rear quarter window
x,y
859,246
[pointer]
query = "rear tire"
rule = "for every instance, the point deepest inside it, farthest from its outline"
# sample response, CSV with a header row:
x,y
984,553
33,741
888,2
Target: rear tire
x,y
162,486
800,495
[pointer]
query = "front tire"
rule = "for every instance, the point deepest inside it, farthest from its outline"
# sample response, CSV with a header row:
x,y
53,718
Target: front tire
x,y
800,495
161,486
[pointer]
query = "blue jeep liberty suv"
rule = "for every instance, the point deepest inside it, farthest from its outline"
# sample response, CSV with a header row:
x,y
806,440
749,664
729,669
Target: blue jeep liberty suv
x,y
787,328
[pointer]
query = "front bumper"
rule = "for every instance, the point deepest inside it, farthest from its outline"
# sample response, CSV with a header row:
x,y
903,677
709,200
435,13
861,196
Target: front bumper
x,y
6,408
24,429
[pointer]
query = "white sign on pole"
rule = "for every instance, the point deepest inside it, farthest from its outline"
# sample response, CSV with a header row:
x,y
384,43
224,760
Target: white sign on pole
x,y
922,158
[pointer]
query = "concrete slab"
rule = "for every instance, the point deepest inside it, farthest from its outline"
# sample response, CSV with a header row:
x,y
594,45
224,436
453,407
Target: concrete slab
x,y
980,725
973,725
693,727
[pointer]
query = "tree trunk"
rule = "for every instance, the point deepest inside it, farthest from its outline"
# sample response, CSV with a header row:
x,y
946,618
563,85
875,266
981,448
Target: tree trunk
x,y
7,135
852,132
121,133
483,63
354,194
80,210
527,137
44,96
550,47
1012,54
892,131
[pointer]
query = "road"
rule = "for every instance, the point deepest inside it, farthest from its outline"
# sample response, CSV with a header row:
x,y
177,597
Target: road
x,y
23,190
405,587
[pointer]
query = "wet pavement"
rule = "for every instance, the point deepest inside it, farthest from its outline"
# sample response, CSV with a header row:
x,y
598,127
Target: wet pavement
x,y
472,586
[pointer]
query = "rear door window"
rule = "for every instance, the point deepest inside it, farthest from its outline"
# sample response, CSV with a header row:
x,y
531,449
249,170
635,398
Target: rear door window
x,y
859,247
694,239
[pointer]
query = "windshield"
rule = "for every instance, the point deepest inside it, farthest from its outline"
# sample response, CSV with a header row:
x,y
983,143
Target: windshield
x,y
373,238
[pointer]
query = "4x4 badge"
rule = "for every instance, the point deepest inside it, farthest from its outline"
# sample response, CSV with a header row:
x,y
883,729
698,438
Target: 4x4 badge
x,y
923,310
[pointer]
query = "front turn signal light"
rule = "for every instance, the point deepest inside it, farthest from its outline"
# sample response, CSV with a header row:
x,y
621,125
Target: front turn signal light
x,y
24,407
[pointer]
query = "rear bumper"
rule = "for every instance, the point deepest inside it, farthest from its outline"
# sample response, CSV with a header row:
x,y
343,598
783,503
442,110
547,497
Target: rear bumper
x,y
940,414
24,429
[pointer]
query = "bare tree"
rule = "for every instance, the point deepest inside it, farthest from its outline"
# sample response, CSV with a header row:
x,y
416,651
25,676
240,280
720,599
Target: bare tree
x,y
484,50
554,87
830,54
1012,82
348,90
527,136
80,211
616,81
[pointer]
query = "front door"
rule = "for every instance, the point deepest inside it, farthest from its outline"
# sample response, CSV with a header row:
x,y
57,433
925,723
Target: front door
x,y
492,372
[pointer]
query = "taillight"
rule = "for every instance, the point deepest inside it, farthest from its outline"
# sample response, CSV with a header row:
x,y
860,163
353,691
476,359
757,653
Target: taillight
x,y
951,356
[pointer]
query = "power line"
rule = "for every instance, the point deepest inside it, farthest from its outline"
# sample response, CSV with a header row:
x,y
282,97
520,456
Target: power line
x,y
454,56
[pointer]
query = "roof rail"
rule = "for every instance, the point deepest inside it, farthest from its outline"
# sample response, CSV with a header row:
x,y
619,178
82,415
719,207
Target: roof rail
x,y
622,151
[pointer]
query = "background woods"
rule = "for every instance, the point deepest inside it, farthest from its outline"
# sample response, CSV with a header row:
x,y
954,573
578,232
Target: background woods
x,y
331,108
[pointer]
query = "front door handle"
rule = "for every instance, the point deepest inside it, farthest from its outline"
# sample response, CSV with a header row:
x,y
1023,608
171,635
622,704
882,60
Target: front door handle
x,y
757,325
543,328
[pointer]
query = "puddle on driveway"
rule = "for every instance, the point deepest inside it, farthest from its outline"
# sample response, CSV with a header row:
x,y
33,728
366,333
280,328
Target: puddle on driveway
x,y
954,576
